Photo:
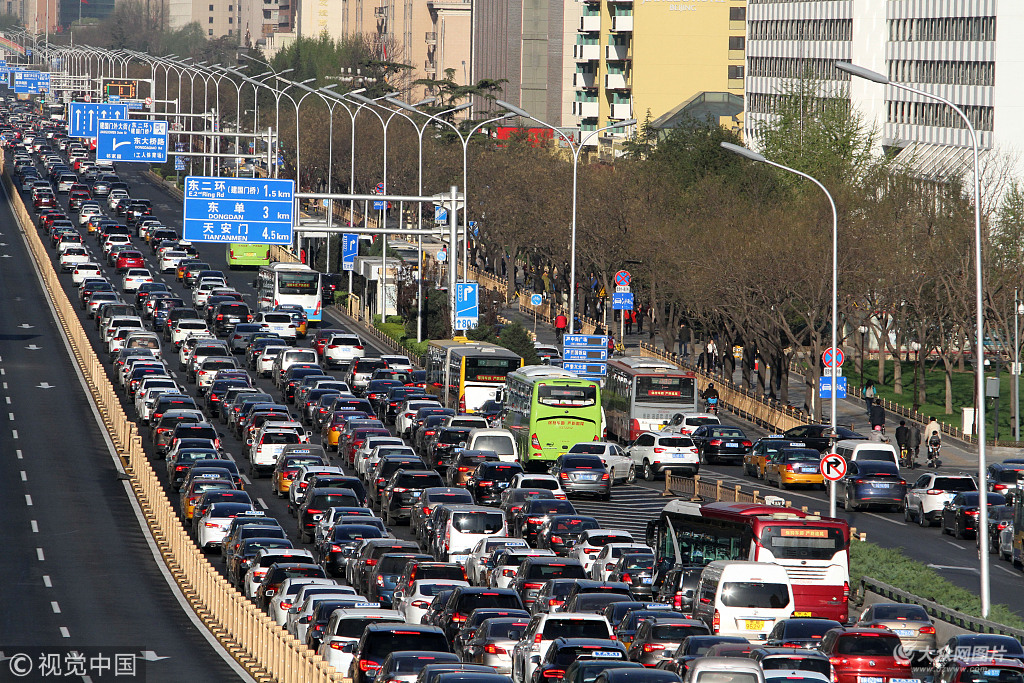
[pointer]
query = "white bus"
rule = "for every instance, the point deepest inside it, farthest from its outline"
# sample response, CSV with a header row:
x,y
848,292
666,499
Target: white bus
x,y
289,283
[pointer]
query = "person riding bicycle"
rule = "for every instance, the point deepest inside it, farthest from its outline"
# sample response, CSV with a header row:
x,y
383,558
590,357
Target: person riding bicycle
x,y
903,441
878,415
710,395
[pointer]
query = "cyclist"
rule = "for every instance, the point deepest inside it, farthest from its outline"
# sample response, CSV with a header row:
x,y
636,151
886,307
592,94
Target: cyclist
x,y
710,396
903,441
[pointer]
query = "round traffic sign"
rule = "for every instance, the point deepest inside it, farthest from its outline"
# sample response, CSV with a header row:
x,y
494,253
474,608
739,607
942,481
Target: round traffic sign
x,y
379,189
622,278
149,101
536,300
88,98
827,357
833,467
442,255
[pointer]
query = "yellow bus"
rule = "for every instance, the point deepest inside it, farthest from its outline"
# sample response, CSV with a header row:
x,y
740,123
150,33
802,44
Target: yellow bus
x,y
474,372
238,255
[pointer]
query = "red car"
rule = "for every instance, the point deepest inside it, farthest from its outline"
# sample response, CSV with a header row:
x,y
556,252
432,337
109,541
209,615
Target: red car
x,y
76,197
42,200
129,259
866,654
321,338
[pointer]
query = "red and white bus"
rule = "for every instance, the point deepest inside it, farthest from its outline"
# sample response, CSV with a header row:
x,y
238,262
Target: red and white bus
x,y
641,393
815,551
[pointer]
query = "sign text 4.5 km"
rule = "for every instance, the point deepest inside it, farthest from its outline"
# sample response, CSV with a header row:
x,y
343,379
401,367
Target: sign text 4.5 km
x,y
245,210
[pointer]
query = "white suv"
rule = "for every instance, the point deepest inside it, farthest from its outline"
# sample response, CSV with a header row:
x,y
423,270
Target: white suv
x,y
656,453
544,629
931,492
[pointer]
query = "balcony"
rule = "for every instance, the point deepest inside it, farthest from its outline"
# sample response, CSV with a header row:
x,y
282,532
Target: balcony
x,y
584,79
621,111
590,22
586,110
623,22
431,38
429,67
616,82
586,53
616,53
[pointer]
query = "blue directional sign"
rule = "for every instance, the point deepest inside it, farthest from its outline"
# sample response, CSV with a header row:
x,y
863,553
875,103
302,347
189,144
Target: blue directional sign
x,y
378,205
586,368
349,250
585,354
825,387
467,305
622,301
85,117
30,81
131,140
596,341
250,210
440,214
179,163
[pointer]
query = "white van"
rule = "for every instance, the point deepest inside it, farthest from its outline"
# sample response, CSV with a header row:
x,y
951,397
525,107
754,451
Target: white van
x,y
744,599
461,527
291,357
854,450
500,441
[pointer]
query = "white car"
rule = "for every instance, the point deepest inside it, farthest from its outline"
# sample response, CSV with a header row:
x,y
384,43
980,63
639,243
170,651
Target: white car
x,y
287,595
329,519
73,256
614,457
108,327
544,629
201,293
591,541
609,557
927,496
344,629
502,576
170,259
398,362
65,181
362,454
213,526
525,480
118,338
84,270
188,327
685,423
266,557
115,240
279,323
482,552
654,453
413,602
300,616
265,359
149,390
134,278
406,414
87,211
343,348
383,450
115,196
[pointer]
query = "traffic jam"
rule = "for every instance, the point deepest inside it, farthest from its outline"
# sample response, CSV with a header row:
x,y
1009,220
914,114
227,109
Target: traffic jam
x,y
337,493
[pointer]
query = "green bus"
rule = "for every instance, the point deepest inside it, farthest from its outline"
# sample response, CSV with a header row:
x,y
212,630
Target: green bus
x,y
549,410
255,255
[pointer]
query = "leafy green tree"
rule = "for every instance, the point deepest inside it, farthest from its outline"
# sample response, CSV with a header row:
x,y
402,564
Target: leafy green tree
x,y
517,338
435,316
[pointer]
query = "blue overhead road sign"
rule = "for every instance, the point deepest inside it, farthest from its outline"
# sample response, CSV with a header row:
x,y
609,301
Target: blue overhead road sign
x,y
131,140
85,116
30,81
349,250
467,309
250,210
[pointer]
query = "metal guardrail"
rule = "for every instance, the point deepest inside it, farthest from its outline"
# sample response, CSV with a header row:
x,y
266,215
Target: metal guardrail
x,y
964,621
700,489
265,650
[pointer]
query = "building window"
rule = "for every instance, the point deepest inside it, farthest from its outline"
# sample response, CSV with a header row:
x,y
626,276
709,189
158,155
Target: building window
x,y
735,72
737,14
211,20
231,8
736,42
231,20
229,32
211,8
209,32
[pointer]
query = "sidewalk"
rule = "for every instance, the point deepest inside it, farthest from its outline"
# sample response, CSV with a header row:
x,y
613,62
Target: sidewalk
x,y
850,412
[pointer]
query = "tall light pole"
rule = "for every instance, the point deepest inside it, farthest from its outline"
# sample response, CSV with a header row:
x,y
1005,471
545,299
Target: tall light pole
x,y
1018,310
576,148
754,156
979,317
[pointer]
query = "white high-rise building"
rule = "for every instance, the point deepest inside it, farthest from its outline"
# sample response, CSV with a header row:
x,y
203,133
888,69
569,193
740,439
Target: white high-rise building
x,y
968,51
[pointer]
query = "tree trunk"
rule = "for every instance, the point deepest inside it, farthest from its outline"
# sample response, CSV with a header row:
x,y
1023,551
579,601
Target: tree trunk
x,y
960,358
947,367
782,373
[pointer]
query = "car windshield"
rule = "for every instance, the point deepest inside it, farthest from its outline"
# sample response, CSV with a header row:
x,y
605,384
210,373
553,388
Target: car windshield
x,y
796,663
381,644
874,454
499,443
566,396
478,522
567,655
582,462
962,483
676,442
900,612
753,594
868,645
678,631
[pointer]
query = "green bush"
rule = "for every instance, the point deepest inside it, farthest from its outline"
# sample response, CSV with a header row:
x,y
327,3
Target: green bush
x,y
891,566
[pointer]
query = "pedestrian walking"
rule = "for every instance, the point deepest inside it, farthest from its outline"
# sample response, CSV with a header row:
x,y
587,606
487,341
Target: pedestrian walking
x,y
877,415
628,320
684,339
870,393
712,351
638,318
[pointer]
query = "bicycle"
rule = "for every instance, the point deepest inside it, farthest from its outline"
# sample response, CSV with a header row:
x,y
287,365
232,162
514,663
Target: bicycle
x,y
906,458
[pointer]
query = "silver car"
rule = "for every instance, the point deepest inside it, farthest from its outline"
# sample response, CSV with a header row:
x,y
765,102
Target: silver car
x,y
580,474
493,641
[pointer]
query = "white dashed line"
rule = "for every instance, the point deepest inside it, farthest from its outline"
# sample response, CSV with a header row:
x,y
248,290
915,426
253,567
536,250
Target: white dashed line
x,y
19,454
65,632
46,581
28,500
956,545
8,400
245,479
24,475
1008,571
262,503
39,555
35,526
55,607
5,385
14,433
10,416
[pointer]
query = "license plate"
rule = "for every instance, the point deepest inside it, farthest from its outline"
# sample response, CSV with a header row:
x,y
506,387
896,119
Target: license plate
x,y
809,470
731,445
801,614
416,494
316,517
458,559
646,580
502,484
904,632
904,680
587,477
881,485
870,679
754,624
679,456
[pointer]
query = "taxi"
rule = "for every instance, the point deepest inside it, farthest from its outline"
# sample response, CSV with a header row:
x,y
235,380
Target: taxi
x,y
193,490
334,425
288,466
756,459
794,466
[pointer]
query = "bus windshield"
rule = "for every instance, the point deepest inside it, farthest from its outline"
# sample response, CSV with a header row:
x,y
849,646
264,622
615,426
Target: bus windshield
x,y
657,389
489,369
298,283
802,542
562,396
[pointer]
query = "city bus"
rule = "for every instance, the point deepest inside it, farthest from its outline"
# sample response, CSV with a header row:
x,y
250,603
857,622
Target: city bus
x,y
289,283
548,410
813,550
474,372
642,393
239,255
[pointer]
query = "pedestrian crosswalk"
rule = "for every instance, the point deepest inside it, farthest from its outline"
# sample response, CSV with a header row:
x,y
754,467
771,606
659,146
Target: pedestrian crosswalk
x,y
630,508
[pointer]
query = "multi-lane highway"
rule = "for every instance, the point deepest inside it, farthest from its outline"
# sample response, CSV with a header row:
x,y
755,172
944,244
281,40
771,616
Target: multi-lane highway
x,y
78,553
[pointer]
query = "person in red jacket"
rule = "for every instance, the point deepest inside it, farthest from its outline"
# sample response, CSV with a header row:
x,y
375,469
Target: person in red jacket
x,y
561,322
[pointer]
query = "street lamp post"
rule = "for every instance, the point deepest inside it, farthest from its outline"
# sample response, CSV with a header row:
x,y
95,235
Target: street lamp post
x,y
576,150
979,318
754,156
1018,310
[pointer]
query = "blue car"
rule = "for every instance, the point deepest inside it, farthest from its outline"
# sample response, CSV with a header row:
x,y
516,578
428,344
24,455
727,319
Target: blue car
x,y
872,482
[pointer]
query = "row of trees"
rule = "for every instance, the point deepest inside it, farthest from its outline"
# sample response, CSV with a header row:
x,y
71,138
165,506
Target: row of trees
x,y
736,249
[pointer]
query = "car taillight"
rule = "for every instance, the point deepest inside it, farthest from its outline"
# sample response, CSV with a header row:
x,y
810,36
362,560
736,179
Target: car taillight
x,y
838,661
716,622
335,548
551,603
337,645
180,468
789,468
556,539
534,442
508,572
653,647
972,513
604,477
537,638
715,442
367,665
535,520
934,492
563,475
285,605
458,618
422,604
311,511
999,487
553,673
371,562
659,449
927,629
492,649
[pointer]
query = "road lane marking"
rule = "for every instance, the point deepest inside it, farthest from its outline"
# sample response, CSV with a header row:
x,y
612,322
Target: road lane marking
x,y
35,526
245,479
1008,571
10,416
65,632
55,607
39,555
262,503
46,581
28,500
8,399
14,433
24,475
19,454
956,545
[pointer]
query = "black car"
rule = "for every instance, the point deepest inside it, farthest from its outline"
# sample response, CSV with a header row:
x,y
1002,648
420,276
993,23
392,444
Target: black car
x,y
563,652
579,474
227,315
534,513
513,500
446,446
316,502
658,637
377,390
465,599
403,491
805,632
718,442
534,572
998,519
385,574
377,478
960,515
560,532
434,496
872,482
490,479
676,586
693,648
239,560
380,640
339,544
817,436
636,571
